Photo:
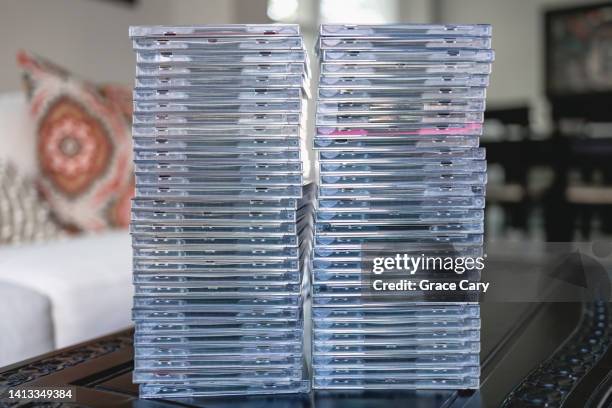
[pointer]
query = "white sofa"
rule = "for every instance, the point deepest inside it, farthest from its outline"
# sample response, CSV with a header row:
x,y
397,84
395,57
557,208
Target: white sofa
x,y
55,294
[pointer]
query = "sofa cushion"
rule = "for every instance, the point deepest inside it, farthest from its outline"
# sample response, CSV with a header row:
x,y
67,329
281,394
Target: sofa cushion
x,y
25,323
87,280
17,134
24,216
83,145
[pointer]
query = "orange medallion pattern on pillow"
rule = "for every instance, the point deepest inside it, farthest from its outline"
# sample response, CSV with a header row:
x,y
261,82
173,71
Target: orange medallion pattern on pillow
x,y
84,146
74,148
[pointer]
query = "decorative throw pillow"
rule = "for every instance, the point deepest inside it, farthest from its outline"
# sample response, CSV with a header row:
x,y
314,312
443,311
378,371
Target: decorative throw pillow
x,y
83,145
24,217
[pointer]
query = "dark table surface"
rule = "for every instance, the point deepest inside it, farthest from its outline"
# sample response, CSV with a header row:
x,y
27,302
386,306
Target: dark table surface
x,y
532,354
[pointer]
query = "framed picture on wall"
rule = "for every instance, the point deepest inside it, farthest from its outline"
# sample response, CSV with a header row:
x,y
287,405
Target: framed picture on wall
x,y
578,50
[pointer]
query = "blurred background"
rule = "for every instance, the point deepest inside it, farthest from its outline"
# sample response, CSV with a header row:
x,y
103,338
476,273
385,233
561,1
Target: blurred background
x,y
65,279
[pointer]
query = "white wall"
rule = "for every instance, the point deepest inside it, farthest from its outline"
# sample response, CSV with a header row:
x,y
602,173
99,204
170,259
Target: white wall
x,y
518,31
90,37
416,11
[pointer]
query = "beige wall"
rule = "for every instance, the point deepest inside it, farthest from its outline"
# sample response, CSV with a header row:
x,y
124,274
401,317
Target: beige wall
x,y
89,37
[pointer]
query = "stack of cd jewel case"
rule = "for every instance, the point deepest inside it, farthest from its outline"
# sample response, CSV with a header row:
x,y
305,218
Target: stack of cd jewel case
x,y
221,221
399,115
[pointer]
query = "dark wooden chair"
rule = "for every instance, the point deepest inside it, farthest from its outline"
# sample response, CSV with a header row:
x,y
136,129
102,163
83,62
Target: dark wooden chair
x,y
510,152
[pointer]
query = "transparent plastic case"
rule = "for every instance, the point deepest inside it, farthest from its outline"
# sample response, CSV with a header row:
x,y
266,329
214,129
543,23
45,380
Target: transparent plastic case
x,y
223,30
257,343
399,383
247,303
341,242
323,256
457,105
416,157
230,44
197,180
213,247
228,156
205,359
404,30
392,349
203,389
179,169
171,118
221,335
382,144
200,231
218,280
399,168
356,300
414,325
407,373
358,134
219,105
220,192
459,55
399,44
396,216
199,95
403,181
286,256
181,362
211,57
196,207
216,268
402,82
399,69
370,228
182,315
214,206
199,70
384,205
220,132
365,362
216,82
196,375
416,192
217,218
400,94
423,309
192,144
371,118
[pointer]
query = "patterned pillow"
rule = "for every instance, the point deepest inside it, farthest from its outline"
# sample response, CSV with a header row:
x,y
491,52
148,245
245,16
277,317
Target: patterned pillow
x,y
24,217
83,145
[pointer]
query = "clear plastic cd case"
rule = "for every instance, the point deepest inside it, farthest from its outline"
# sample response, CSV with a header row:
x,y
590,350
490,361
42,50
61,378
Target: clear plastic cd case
x,y
215,31
399,116
222,221
395,31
